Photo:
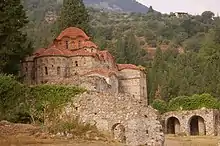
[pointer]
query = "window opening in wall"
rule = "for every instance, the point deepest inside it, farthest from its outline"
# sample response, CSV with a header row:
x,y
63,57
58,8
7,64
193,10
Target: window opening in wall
x,y
67,45
76,62
84,60
26,69
79,44
147,131
58,70
91,50
46,71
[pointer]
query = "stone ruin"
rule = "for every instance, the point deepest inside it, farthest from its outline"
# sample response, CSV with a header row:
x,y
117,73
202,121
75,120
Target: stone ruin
x,y
199,122
116,97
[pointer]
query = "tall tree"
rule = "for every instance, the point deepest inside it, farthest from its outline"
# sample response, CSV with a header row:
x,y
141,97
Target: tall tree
x,y
128,51
74,13
14,45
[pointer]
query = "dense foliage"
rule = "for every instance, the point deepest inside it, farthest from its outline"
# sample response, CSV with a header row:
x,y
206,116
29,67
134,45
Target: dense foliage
x,y
171,74
73,14
13,42
32,103
187,103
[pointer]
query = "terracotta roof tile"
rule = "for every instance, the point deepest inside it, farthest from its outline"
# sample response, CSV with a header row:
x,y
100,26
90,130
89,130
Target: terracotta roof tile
x,y
83,52
52,51
89,44
72,32
66,52
103,72
105,55
127,66
39,51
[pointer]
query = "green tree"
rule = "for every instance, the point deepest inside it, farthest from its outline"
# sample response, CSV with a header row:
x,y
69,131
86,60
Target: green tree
x,y
73,13
128,51
14,45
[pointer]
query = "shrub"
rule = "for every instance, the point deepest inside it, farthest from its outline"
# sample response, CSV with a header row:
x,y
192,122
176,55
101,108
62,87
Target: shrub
x,y
19,102
48,100
12,96
160,105
75,128
193,102
178,103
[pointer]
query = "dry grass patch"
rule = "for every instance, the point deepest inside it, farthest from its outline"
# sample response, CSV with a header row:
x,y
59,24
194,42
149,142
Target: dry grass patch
x,y
191,141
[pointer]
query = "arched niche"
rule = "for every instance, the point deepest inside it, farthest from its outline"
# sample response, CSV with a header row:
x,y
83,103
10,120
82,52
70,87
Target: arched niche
x,y
197,125
172,125
118,132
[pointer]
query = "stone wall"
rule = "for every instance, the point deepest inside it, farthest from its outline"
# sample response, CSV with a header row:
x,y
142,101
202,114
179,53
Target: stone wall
x,y
49,69
133,82
27,70
195,122
128,120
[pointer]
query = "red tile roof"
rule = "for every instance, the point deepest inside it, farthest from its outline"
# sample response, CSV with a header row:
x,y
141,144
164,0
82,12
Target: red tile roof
x,y
127,66
53,51
39,51
83,52
66,52
101,71
72,32
105,55
89,44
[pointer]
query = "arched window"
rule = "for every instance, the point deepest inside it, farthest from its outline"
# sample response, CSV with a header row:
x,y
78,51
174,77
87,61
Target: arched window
x,y
79,44
67,45
91,50
76,63
46,71
84,61
58,70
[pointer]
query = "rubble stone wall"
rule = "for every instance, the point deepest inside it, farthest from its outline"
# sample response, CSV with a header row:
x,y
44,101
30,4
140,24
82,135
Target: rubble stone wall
x,y
205,119
128,120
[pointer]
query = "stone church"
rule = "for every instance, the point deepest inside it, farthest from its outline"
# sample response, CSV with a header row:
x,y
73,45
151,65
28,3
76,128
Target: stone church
x,y
116,100
72,56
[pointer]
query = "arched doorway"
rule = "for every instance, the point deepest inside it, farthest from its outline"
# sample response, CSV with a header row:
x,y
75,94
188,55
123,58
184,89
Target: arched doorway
x,y
118,132
197,126
173,125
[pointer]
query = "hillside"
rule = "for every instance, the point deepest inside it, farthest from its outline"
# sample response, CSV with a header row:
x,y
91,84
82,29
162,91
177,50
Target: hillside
x,y
170,74
117,5
108,5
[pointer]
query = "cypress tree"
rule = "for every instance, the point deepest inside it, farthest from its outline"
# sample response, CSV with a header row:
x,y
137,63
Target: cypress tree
x,y
128,51
14,45
74,14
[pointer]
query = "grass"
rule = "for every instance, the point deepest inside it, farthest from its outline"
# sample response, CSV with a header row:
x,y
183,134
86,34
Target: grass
x,y
191,141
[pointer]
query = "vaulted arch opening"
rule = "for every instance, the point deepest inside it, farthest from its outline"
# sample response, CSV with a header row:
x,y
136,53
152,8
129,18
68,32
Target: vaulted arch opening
x,y
197,126
173,125
118,132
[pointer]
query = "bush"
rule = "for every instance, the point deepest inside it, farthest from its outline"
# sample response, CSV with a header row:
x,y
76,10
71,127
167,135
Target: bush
x,y
73,127
12,96
193,102
178,103
49,99
19,102
160,105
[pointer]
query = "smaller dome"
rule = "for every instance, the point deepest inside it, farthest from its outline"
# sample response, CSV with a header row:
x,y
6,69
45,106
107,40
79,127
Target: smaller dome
x,y
53,51
105,55
72,32
90,44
